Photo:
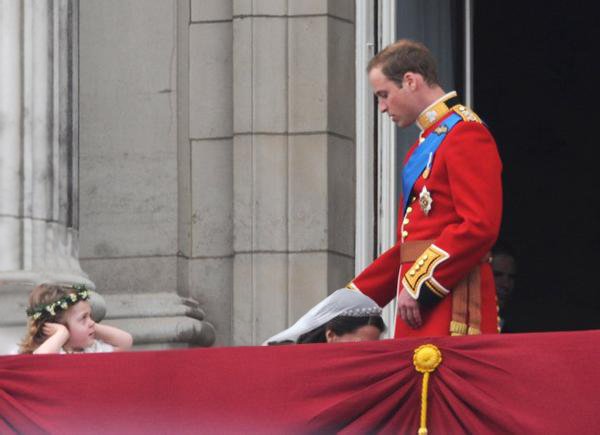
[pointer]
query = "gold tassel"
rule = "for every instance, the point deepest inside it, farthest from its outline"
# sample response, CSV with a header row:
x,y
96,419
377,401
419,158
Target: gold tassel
x,y
458,328
426,359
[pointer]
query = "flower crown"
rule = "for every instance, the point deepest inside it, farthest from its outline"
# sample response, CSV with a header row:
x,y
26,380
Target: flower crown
x,y
62,304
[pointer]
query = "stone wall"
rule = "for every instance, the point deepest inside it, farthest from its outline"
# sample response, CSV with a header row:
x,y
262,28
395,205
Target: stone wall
x,y
294,159
216,163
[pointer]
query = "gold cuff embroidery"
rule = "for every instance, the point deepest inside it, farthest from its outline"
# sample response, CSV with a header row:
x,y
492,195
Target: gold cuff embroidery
x,y
437,287
422,270
433,289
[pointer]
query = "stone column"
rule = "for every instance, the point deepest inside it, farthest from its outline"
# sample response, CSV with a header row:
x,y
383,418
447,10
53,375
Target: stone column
x,y
38,150
38,137
294,159
205,219
139,220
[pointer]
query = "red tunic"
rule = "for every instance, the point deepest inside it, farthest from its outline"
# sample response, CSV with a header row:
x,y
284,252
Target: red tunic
x,y
465,186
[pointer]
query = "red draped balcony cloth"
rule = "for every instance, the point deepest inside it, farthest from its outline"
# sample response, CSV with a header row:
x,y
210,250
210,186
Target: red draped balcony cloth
x,y
546,383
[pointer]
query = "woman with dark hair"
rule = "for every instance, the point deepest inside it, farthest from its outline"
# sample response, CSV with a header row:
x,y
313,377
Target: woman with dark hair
x,y
344,329
345,315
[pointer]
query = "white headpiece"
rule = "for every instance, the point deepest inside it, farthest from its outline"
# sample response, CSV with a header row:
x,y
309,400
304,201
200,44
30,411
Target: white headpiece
x,y
342,302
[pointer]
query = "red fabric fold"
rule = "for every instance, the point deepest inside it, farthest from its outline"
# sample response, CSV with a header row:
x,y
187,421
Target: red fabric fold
x,y
522,383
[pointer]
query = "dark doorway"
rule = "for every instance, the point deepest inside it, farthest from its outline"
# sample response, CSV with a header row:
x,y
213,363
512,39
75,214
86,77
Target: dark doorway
x,y
536,68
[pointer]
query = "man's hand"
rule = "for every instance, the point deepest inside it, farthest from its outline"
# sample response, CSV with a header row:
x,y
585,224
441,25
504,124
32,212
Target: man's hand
x,y
409,310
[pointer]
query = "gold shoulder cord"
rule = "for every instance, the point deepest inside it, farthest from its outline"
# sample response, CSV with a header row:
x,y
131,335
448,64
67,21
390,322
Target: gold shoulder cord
x,y
466,114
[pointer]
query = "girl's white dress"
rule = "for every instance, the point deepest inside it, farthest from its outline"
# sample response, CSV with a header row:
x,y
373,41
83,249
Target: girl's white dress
x,y
98,346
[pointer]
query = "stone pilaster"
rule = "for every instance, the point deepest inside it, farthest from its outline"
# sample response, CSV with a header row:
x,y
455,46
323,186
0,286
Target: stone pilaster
x,y
128,170
294,171
206,162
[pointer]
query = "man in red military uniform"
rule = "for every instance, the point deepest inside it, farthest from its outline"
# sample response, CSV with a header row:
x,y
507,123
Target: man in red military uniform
x,y
450,210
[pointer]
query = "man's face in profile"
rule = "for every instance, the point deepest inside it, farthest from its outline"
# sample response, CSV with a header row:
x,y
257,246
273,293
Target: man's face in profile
x,y
397,101
505,269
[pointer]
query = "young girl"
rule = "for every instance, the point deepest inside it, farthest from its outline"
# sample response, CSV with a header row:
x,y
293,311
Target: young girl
x,y
60,322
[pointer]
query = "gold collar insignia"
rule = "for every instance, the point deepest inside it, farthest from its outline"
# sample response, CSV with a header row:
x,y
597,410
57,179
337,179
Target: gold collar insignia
x,y
435,112
441,129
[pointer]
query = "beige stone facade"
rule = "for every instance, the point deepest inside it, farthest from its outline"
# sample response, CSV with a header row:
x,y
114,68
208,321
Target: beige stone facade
x,y
216,163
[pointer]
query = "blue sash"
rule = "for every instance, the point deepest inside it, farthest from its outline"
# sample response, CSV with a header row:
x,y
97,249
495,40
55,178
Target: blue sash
x,y
420,158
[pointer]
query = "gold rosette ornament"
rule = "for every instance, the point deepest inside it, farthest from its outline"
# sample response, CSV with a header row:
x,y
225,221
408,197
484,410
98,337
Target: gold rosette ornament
x,y
426,359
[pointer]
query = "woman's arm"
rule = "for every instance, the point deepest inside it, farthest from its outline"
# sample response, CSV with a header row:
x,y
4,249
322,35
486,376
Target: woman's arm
x,y
57,335
116,337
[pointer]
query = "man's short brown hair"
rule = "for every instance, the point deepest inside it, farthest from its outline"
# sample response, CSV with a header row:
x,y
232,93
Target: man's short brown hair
x,y
405,56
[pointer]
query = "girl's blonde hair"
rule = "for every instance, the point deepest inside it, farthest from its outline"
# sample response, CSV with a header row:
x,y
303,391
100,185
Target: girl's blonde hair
x,y
42,294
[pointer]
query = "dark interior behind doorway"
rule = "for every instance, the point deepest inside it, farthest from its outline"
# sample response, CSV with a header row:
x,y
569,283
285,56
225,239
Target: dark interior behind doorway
x,y
536,68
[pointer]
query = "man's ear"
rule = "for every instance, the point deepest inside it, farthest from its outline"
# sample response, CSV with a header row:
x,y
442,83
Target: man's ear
x,y
412,80
330,336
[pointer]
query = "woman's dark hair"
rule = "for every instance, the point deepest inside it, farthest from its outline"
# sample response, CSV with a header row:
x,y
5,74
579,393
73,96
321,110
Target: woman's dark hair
x,y
340,325
277,343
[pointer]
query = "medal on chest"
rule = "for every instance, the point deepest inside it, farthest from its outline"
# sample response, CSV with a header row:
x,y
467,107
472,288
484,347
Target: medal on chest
x,y
425,200
427,170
